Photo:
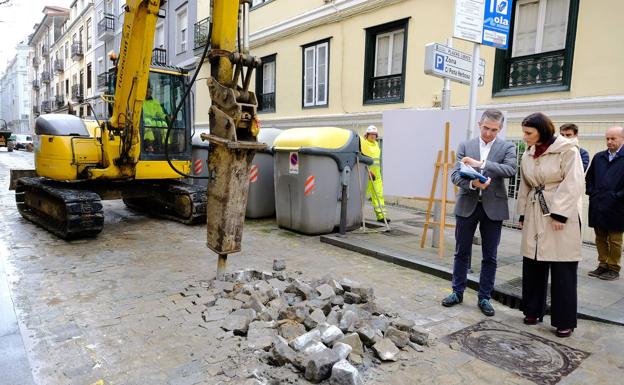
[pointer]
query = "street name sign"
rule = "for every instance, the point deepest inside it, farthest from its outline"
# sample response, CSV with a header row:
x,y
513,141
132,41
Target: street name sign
x,y
483,21
446,62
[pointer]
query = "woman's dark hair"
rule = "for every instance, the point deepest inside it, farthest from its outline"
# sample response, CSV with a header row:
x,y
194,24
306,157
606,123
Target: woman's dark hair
x,y
542,124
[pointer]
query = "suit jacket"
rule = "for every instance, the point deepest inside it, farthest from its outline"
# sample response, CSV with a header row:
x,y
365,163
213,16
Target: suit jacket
x,y
604,183
501,163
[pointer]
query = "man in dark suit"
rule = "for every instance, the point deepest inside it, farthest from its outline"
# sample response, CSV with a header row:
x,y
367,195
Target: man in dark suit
x,y
604,183
483,204
570,131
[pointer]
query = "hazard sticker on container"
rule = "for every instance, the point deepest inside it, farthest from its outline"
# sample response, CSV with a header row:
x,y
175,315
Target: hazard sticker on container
x,y
198,166
308,187
253,174
294,163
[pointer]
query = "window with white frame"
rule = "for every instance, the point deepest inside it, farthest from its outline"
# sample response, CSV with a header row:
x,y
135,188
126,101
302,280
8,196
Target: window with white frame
x,y
389,53
159,36
182,31
540,26
315,74
541,51
89,34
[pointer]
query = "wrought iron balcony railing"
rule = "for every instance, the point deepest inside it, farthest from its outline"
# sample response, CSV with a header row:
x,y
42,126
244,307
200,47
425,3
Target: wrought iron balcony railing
x,y
159,56
200,38
543,69
106,27
76,51
46,106
386,88
267,102
102,81
77,92
58,66
59,100
45,77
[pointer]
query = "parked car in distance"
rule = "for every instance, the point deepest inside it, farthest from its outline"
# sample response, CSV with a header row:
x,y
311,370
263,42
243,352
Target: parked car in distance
x,y
23,142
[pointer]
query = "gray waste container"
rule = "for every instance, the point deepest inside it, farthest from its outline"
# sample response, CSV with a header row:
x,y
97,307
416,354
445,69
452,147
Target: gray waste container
x,y
261,198
199,157
308,166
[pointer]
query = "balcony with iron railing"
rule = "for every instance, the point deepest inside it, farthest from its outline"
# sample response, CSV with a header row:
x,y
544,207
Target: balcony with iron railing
x,y
35,84
159,56
45,77
36,61
102,81
267,102
539,70
77,92
46,106
59,101
58,66
385,89
76,51
106,27
200,38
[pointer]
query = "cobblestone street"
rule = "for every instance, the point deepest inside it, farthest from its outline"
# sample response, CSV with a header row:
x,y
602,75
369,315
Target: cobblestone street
x,y
109,308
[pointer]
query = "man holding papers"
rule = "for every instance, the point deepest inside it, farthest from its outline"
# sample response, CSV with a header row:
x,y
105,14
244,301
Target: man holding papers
x,y
481,200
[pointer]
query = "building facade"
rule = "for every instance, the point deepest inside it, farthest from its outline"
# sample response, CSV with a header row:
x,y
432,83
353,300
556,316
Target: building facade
x,y
344,62
15,92
43,42
173,39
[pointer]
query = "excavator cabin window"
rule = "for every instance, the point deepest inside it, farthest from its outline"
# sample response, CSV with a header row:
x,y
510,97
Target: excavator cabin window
x,y
164,92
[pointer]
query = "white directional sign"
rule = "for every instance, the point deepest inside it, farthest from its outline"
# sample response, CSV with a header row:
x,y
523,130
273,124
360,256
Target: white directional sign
x,y
446,62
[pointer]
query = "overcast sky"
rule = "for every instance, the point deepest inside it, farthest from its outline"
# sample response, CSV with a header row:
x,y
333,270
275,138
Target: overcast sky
x,y
17,19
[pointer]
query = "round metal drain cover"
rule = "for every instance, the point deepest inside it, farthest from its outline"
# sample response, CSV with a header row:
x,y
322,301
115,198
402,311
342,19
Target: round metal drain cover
x,y
535,358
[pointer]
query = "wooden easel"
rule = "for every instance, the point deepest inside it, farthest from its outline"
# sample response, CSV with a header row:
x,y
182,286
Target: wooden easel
x,y
443,164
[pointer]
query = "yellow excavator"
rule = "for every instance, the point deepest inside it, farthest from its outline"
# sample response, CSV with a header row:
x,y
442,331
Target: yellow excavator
x,y
142,158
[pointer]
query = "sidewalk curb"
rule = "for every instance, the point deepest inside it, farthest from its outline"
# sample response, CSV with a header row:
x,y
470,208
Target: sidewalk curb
x,y
506,297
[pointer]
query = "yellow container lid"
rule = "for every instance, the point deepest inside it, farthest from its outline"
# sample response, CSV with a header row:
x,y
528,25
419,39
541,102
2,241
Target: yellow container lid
x,y
332,138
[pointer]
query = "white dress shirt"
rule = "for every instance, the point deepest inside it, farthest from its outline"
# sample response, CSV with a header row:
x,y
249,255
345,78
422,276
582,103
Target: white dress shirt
x,y
484,151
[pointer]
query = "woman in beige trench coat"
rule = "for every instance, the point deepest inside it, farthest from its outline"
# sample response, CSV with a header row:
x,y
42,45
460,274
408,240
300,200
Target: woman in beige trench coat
x,y
549,204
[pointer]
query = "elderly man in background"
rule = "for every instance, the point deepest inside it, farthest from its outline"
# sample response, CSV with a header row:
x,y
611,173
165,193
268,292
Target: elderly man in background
x,y
605,187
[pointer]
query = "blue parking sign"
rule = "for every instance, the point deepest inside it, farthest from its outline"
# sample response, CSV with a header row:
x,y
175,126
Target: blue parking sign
x,y
439,62
496,23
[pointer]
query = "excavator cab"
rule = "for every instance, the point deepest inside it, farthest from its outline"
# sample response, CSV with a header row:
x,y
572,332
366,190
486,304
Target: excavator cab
x,y
165,90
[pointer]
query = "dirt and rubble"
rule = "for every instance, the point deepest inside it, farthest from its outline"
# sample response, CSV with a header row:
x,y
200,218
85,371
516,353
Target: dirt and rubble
x,y
287,329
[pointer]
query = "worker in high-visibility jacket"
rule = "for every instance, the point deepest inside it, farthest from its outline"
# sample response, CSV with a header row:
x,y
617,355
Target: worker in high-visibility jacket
x,y
370,147
154,123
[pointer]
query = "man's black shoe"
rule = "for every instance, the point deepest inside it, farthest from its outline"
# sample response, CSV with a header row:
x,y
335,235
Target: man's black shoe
x,y
486,307
382,220
609,275
453,299
596,273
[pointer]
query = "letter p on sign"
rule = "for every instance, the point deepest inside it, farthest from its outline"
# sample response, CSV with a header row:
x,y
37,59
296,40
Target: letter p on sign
x,y
439,62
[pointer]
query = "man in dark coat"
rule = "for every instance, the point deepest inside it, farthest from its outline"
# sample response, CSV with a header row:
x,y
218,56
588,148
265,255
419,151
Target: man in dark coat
x,y
570,131
605,187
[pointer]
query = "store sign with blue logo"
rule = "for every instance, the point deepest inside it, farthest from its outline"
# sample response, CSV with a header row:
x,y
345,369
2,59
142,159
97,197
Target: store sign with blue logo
x,y
483,21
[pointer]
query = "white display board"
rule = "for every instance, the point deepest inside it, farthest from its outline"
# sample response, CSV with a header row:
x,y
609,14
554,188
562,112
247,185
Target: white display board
x,y
411,141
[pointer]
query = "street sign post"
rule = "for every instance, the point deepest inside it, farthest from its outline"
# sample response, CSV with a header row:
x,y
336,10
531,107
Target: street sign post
x,y
446,62
483,21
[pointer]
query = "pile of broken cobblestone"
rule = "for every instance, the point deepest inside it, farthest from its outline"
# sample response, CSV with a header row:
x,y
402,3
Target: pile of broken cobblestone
x,y
323,329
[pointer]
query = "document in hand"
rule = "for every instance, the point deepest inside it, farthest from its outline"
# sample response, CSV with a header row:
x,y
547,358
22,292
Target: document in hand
x,y
468,172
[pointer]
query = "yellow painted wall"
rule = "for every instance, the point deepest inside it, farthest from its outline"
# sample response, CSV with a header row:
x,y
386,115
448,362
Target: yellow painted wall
x,y
279,10
599,53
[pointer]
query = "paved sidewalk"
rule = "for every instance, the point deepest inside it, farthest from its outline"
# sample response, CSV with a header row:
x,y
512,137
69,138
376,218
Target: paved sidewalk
x,y
598,300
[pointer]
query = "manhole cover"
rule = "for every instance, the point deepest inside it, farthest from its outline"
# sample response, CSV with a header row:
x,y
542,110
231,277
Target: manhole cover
x,y
532,357
397,233
415,222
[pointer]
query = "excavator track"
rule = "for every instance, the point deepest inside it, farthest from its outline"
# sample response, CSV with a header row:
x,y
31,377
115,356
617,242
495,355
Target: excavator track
x,y
66,213
177,201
